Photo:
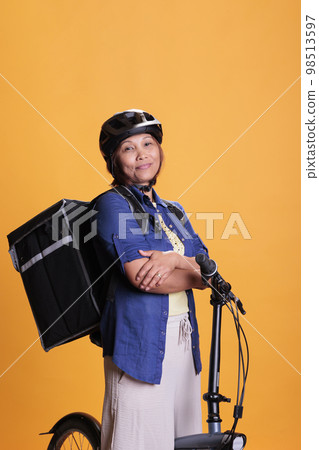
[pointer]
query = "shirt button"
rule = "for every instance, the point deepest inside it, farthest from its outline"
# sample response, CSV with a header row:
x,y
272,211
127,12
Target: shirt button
x,y
163,333
194,346
183,239
171,226
165,313
161,352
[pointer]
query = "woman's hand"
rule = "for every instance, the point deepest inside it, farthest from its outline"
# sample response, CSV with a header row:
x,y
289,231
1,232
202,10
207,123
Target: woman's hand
x,y
159,263
186,274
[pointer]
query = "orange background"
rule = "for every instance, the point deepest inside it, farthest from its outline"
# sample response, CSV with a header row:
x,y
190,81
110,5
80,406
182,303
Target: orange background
x,y
207,70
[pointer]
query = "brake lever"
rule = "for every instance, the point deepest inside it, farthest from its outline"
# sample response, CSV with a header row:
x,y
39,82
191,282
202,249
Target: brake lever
x,y
238,302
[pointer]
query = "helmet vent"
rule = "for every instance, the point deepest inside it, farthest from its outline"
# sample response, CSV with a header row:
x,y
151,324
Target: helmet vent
x,y
116,124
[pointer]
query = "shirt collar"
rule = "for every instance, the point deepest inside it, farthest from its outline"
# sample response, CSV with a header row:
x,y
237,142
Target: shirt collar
x,y
140,196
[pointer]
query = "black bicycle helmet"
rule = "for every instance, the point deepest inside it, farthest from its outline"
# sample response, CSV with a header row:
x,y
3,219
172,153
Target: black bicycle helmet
x,y
125,124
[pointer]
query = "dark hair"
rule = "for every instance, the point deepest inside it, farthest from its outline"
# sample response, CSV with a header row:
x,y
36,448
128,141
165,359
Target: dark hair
x,y
119,177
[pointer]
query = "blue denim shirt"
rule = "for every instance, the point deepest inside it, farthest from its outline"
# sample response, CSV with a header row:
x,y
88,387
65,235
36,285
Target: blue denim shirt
x,y
133,326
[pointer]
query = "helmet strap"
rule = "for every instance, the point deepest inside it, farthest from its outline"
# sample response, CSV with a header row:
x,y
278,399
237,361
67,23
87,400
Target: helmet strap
x,y
112,165
145,188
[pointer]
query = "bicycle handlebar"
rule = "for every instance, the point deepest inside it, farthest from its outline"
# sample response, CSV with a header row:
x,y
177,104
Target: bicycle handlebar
x,y
208,269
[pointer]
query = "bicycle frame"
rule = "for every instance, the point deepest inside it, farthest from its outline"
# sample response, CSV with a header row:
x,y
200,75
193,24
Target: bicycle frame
x,y
214,439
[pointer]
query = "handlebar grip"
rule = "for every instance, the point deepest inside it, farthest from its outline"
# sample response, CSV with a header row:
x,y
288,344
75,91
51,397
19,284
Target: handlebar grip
x,y
208,267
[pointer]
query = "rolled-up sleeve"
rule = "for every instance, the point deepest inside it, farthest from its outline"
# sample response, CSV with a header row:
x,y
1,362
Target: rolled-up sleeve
x,y
119,234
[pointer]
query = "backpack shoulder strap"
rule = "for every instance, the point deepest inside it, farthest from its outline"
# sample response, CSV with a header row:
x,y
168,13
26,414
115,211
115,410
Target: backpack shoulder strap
x,y
140,215
123,191
137,208
177,211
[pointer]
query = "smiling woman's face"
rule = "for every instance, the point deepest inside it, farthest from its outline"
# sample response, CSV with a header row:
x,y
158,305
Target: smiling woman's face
x,y
138,157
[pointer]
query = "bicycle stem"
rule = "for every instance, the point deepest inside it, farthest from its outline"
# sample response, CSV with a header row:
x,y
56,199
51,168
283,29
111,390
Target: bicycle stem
x,y
213,397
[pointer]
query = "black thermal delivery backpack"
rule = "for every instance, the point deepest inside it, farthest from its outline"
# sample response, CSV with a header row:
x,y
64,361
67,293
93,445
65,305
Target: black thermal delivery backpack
x,y
55,256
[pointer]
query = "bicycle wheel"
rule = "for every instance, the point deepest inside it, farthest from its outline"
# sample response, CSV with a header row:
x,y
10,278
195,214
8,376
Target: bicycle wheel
x,y
75,434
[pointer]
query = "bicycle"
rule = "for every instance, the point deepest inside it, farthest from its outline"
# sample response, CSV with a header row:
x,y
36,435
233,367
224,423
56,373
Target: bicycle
x,y
79,429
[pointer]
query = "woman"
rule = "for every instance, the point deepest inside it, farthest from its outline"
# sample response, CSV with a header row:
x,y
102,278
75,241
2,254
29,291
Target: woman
x,y
149,332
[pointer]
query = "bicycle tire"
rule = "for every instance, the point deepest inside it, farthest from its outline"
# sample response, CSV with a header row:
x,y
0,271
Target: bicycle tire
x,y
75,433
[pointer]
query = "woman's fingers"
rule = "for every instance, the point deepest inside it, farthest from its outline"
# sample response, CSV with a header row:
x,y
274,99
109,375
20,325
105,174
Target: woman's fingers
x,y
147,266
147,252
151,278
143,270
159,263
161,279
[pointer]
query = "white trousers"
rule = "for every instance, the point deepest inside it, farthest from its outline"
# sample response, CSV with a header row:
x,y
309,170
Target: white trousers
x,y
143,416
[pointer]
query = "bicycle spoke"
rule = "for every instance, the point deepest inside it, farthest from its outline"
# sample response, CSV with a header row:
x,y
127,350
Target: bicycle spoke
x,y
75,441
